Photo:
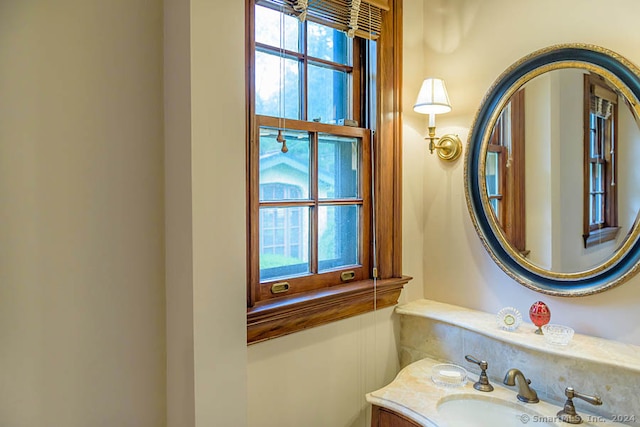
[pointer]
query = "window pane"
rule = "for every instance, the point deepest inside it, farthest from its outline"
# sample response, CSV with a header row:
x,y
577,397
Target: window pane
x,y
277,93
284,242
597,178
269,29
328,94
495,205
599,211
492,173
593,136
338,167
327,43
600,179
284,176
338,242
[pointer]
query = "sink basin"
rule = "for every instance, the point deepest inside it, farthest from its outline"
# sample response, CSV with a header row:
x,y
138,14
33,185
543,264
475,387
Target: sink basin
x,y
481,411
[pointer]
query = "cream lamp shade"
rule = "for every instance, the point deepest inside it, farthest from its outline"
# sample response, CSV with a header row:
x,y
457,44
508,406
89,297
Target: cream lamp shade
x,y
432,98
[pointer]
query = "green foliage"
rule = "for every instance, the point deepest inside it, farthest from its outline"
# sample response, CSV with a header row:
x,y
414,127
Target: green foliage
x,y
273,260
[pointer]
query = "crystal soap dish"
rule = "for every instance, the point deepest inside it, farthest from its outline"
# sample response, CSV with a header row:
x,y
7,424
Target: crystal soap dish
x,y
449,375
509,319
557,334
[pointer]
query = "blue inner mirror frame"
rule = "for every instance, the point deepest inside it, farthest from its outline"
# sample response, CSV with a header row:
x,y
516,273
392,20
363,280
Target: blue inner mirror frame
x,y
625,263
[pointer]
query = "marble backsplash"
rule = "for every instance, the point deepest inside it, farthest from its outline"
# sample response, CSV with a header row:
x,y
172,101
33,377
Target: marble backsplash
x,y
590,365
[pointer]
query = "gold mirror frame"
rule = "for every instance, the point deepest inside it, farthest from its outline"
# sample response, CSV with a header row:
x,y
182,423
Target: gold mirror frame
x,y
625,262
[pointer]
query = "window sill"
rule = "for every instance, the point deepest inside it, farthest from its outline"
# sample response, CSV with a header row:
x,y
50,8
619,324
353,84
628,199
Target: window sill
x,y
286,315
600,236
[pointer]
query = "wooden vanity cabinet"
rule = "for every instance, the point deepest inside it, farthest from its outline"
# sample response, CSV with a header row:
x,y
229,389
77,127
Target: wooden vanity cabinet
x,y
381,417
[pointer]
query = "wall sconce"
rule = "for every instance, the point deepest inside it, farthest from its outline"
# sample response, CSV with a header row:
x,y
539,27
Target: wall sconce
x,y
432,100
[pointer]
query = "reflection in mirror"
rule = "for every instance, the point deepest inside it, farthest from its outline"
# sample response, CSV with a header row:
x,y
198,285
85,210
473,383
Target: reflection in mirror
x,y
550,180
559,170
505,165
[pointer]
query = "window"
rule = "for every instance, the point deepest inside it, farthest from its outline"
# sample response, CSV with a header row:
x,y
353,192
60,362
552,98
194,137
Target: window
x,y
314,205
320,151
600,172
505,172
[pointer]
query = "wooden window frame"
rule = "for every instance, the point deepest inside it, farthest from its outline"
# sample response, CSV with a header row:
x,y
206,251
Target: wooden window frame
x,y
284,315
607,231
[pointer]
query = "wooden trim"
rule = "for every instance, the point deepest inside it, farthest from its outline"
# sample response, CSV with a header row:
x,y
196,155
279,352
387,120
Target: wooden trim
x,y
251,226
612,191
304,75
270,319
382,4
313,227
397,138
349,131
274,50
388,143
518,211
586,111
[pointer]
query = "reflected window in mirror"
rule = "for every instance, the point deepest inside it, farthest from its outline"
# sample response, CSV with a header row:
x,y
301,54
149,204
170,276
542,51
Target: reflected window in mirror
x,y
600,223
505,168
496,160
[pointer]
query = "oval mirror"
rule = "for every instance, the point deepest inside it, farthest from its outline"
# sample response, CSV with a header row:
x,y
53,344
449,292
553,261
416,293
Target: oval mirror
x,y
550,176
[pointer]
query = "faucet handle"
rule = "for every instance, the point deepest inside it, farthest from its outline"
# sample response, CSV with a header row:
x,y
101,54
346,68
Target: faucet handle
x,y
483,364
483,381
594,400
568,413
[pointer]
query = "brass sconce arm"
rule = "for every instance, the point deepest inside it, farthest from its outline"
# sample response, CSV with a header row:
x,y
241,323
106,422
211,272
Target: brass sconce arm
x,y
449,147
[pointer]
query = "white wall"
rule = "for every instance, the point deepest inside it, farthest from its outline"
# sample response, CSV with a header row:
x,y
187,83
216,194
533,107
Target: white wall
x,y
469,43
178,215
205,192
319,377
81,214
628,172
538,185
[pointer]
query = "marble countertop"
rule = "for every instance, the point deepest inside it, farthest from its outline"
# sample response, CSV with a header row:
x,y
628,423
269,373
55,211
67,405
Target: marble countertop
x,y
413,394
583,347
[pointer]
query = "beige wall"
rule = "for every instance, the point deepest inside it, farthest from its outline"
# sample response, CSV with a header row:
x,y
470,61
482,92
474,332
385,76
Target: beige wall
x,y
469,43
82,288
81,214
83,294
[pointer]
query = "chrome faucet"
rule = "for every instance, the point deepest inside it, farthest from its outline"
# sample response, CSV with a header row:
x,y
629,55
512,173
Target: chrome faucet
x,y
568,413
525,393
